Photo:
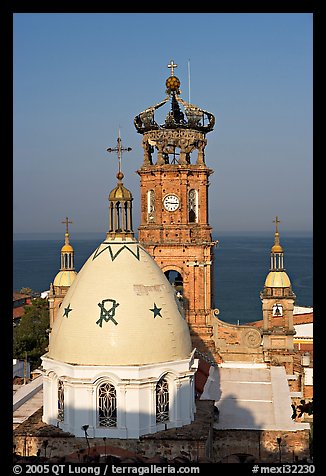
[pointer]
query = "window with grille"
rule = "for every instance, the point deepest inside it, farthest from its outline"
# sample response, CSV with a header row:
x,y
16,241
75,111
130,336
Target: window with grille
x,y
107,405
150,206
192,206
61,400
162,401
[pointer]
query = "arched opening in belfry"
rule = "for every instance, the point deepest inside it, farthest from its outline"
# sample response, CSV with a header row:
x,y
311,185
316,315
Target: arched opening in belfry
x,y
176,280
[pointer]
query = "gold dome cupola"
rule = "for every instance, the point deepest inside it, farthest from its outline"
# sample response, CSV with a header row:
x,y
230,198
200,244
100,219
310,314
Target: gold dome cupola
x,y
277,277
277,255
67,251
64,278
120,202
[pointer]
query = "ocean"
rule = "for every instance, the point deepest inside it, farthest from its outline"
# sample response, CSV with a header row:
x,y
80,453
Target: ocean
x,y
241,264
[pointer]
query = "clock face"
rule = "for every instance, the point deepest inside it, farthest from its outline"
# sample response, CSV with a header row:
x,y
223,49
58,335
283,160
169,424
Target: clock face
x,y
171,203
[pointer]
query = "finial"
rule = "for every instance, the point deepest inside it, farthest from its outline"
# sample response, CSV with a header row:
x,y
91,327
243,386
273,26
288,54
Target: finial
x,y
172,65
277,248
172,83
276,221
119,149
66,221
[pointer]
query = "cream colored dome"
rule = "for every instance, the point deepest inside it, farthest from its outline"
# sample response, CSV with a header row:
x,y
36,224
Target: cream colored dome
x,y
277,279
120,310
64,278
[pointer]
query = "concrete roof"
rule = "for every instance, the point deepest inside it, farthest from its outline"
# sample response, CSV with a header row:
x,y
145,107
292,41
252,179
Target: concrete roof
x,y
27,399
304,330
28,408
251,396
302,310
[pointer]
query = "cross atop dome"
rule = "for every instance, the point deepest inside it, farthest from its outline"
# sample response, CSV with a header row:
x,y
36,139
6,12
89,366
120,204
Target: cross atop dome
x,y
119,149
66,221
67,243
276,221
172,65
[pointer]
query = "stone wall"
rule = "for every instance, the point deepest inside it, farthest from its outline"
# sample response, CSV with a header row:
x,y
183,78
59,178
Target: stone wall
x,y
238,342
193,441
260,445
197,451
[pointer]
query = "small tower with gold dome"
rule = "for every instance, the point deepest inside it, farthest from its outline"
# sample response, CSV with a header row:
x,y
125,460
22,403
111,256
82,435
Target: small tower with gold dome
x,y
120,202
278,303
64,278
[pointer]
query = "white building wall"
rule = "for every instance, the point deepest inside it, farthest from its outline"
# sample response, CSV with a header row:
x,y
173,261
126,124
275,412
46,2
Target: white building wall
x,y
136,396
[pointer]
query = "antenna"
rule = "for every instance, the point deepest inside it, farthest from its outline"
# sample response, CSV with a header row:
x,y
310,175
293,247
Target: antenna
x,y
189,80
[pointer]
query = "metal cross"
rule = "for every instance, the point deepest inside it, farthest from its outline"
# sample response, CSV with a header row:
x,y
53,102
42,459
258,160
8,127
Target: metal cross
x,y
172,65
119,149
66,221
276,221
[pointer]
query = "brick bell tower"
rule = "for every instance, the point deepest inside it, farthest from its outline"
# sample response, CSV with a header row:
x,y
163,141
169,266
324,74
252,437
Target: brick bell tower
x,y
174,228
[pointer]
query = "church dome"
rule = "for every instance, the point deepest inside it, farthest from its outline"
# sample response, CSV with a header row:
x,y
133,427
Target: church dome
x,y
64,278
120,310
277,279
120,192
67,248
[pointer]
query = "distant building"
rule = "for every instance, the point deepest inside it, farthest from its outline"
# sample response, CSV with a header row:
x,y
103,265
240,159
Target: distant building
x,y
21,369
20,300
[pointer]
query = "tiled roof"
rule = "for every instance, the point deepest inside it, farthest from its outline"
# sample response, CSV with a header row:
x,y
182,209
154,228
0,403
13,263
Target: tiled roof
x,y
18,312
297,319
16,296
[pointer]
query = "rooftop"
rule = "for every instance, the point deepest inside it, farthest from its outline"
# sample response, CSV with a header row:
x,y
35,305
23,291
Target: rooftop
x,y
250,396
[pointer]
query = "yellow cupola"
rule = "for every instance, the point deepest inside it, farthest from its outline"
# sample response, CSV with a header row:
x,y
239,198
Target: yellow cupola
x,y
67,272
277,277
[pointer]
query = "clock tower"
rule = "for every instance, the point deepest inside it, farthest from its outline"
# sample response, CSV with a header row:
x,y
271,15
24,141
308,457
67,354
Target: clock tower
x,y
174,227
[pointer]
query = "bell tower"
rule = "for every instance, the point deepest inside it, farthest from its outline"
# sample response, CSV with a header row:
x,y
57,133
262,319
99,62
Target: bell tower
x,y
277,303
64,278
174,226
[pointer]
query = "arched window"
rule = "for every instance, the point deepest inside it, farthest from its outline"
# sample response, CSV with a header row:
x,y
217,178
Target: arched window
x,y
150,206
107,405
192,206
162,401
61,400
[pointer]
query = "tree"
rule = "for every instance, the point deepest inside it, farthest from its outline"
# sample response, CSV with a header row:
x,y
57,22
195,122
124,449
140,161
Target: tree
x,y
31,335
27,291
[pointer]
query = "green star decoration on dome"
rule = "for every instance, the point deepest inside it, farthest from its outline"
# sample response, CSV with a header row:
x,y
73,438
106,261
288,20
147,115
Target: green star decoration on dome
x,y
156,310
67,310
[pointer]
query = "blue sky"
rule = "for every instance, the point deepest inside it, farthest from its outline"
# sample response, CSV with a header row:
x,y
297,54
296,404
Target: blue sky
x,y
78,78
